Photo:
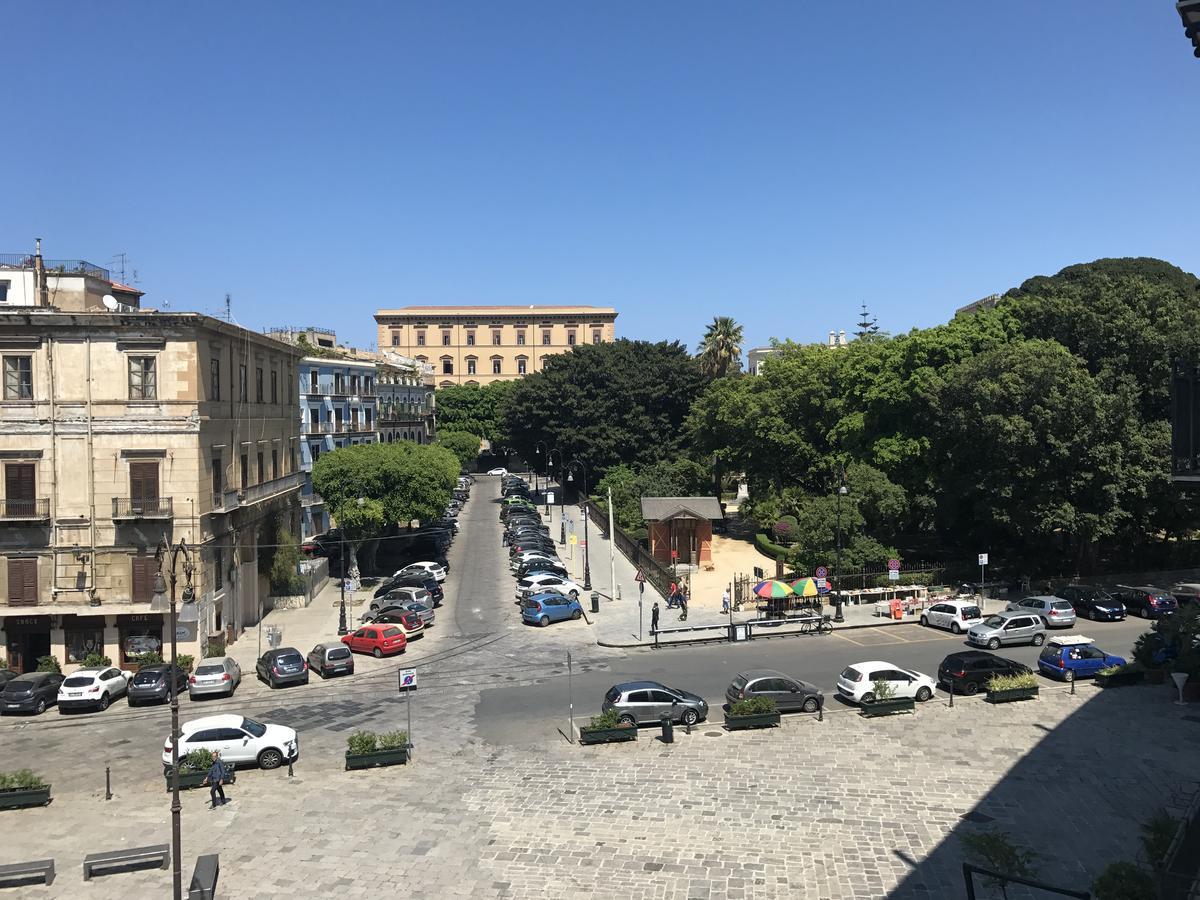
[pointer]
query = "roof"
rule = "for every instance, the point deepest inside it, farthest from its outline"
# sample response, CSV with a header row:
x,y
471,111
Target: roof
x,y
1071,640
658,509
233,721
504,310
638,685
754,674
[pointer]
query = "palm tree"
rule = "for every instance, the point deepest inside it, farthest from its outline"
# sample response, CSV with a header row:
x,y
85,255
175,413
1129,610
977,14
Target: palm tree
x,y
720,351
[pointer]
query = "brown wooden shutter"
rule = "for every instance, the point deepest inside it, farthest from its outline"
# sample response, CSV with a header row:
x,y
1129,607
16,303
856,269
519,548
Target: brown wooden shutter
x,y
143,486
144,569
19,489
22,582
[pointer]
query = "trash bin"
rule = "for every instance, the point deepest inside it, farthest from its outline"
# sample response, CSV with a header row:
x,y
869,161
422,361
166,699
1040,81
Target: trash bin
x,y
897,609
595,602
668,729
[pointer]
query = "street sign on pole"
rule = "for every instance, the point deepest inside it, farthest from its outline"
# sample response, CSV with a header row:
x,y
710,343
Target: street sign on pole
x,y
641,588
822,573
893,565
893,574
983,559
573,540
408,678
821,582
408,684
640,577
550,498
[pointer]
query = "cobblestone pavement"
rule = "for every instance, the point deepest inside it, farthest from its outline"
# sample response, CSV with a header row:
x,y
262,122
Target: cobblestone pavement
x,y
841,808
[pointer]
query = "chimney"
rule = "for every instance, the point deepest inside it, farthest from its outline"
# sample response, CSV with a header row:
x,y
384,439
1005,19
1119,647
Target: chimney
x,y
833,339
40,289
842,338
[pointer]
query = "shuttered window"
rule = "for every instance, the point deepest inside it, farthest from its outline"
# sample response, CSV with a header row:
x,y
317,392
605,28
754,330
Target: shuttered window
x,y
143,487
19,489
22,582
142,582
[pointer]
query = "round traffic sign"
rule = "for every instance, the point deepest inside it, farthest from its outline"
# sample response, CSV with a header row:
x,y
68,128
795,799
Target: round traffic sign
x,y
894,565
822,572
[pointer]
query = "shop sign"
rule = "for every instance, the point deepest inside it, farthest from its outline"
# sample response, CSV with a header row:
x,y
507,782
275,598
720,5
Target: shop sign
x,y
185,631
29,621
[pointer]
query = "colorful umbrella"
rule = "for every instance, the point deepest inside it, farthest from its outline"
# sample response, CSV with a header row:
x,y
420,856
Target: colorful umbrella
x,y
772,589
805,587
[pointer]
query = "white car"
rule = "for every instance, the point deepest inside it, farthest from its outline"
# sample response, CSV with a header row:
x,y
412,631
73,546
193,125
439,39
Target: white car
x,y
437,570
92,688
239,740
857,682
529,586
956,615
500,470
525,556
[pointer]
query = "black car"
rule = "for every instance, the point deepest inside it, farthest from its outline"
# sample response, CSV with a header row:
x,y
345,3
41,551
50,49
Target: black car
x,y
31,692
969,670
285,665
150,684
1148,602
541,568
1092,602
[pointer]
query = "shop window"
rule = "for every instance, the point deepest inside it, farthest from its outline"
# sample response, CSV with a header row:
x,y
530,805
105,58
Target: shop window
x,y
139,634
83,636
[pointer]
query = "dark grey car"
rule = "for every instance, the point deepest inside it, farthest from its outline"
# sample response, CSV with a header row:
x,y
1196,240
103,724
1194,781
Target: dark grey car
x,y
282,666
328,660
646,701
790,694
31,692
151,685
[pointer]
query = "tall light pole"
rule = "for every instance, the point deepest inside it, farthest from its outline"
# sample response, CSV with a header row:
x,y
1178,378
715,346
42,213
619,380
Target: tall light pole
x,y
160,603
837,562
587,549
537,449
562,490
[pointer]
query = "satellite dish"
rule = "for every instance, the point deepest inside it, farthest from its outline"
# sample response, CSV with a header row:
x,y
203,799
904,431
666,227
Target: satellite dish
x,y
110,302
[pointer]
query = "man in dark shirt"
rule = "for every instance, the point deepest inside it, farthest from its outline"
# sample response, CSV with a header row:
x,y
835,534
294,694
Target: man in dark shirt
x,y
217,773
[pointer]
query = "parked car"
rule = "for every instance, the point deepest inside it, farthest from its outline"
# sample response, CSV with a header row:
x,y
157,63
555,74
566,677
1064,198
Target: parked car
x,y
152,684
533,569
328,660
857,682
1012,626
542,609
1186,592
218,675
957,615
1074,656
437,570
92,688
969,670
1053,611
281,666
640,702
790,694
239,740
1093,603
31,692
399,595
378,640
1148,602
408,622
425,582
422,609
515,563
499,470
535,583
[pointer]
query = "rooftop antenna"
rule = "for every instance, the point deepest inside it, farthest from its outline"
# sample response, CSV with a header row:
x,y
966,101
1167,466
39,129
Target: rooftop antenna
x,y
228,307
119,260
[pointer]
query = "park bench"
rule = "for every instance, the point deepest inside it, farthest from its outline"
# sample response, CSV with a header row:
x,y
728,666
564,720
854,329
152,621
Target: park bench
x,y
204,877
28,872
133,856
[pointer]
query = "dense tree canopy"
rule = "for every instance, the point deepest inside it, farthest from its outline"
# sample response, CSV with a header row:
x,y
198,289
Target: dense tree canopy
x,y
475,409
666,478
463,445
720,352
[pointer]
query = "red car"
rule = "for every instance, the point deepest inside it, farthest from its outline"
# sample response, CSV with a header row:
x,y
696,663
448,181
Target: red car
x,y
381,640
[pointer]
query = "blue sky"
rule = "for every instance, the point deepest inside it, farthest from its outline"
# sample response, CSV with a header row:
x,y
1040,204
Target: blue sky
x,y
777,162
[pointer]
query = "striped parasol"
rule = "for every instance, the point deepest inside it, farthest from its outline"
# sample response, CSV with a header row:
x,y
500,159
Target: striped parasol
x,y
773,589
805,587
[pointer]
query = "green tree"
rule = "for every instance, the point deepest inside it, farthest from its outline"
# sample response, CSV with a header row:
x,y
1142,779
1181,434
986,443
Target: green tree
x,y
666,478
284,569
463,445
475,409
720,351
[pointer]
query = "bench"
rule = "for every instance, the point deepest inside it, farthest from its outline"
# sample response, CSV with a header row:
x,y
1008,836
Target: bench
x,y
204,877
134,856
28,872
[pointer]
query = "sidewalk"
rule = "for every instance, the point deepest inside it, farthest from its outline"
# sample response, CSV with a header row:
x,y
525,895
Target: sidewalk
x,y
302,628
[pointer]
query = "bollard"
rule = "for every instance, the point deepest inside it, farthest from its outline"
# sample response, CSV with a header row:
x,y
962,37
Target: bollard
x,y
1072,687
107,783
289,768
952,695
687,727
595,602
821,713
668,730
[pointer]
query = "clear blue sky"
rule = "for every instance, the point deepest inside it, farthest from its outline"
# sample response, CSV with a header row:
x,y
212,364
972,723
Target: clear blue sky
x,y
777,162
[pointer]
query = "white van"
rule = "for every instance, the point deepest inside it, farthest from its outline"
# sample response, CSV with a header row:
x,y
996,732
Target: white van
x,y
956,615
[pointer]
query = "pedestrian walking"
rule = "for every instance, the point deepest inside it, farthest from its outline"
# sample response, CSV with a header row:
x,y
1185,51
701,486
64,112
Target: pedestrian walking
x,y
725,601
504,539
654,617
683,601
217,773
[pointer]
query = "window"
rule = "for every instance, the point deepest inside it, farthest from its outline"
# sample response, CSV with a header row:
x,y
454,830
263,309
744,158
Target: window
x,y
447,366
521,365
339,416
520,339
445,339
262,469
214,378
20,489
315,451
274,463
546,338
218,478
339,384
243,387
595,336
4,286
22,582
141,583
495,365
470,339
570,339
245,471
143,487
83,639
395,339
18,378
420,339
496,338
369,415
258,384
292,459
274,386
470,365
314,384
291,386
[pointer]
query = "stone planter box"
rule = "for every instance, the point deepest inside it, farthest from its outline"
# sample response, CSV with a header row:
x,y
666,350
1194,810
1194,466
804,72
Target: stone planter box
x,y
1120,679
189,779
608,735
396,757
22,797
887,707
293,601
1011,694
758,720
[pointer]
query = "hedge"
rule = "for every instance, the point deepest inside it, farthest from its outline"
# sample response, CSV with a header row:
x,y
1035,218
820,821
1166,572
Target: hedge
x,y
773,550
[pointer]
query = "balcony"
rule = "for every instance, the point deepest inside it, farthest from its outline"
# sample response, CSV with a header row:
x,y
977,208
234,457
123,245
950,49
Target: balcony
x,y
25,510
227,501
313,499
318,428
129,508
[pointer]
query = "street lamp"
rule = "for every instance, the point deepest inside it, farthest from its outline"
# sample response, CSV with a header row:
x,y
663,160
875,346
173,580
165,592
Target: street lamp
x,y
587,550
837,563
342,624
159,602
537,449
562,490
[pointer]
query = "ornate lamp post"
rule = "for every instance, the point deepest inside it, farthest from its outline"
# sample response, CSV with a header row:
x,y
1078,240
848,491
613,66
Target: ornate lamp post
x,y
562,520
837,562
167,558
537,449
342,625
587,549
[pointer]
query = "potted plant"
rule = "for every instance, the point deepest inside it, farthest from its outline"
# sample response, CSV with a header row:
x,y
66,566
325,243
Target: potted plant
x,y
184,661
366,749
48,664
22,788
607,728
885,701
1121,676
193,769
96,661
1148,653
1124,881
1006,688
753,712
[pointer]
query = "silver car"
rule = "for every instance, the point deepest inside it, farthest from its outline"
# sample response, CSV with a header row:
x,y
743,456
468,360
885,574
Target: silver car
x,y
215,675
1054,612
406,594
640,702
1013,626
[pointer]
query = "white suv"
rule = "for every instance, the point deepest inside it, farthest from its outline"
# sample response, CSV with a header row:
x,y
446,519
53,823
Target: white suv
x,y
857,682
957,615
527,587
85,688
437,570
239,740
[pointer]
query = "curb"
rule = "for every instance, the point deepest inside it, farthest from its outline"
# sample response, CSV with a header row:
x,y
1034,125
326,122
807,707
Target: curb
x,y
890,623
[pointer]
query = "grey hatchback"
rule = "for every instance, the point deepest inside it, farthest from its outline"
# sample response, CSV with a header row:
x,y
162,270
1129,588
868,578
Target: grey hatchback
x,y
640,702
1053,611
790,694
331,659
1012,626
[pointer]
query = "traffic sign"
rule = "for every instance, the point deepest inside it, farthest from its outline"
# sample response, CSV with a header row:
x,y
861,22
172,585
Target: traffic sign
x,y
820,583
408,678
893,565
640,577
550,498
983,559
822,573
893,574
574,539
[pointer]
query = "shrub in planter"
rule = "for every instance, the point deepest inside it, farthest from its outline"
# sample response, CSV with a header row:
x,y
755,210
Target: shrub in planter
x,y
1124,881
149,658
884,690
1117,676
393,740
1002,688
193,769
48,664
185,661
607,728
885,701
362,742
21,780
96,661
752,712
365,749
22,788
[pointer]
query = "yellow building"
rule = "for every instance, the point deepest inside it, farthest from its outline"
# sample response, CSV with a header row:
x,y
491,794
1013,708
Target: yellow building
x,y
482,344
119,427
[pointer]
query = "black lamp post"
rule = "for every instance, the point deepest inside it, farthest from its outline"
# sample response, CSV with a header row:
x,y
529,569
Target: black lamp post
x,y
562,490
837,562
160,603
537,449
587,549
342,629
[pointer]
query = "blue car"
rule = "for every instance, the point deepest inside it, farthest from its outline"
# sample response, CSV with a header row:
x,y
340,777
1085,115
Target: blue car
x,y
1074,656
549,606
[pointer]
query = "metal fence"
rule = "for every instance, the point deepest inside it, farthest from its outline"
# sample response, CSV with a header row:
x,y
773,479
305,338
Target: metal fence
x,y
54,266
633,551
